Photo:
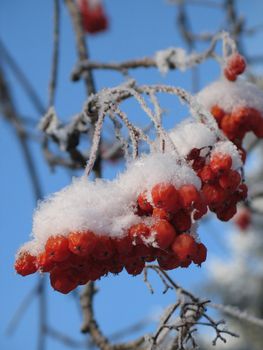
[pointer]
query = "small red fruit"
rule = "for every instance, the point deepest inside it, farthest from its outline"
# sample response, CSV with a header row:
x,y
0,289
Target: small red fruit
x,y
188,195
166,196
25,264
104,248
143,203
182,221
236,63
56,248
163,233
200,255
64,280
134,266
220,162
82,243
185,247
139,233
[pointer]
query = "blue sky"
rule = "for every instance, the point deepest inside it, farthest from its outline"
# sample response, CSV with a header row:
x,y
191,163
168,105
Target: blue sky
x,y
137,28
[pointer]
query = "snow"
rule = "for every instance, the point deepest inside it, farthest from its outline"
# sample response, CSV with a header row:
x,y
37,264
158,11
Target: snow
x,y
190,134
174,56
105,207
228,95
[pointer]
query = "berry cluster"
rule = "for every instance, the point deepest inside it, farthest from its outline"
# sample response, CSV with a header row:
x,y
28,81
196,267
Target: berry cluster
x,y
162,234
235,66
236,124
93,16
222,187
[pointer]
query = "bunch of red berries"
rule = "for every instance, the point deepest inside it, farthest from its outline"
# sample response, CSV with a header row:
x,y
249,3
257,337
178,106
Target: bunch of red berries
x,y
93,17
162,234
238,122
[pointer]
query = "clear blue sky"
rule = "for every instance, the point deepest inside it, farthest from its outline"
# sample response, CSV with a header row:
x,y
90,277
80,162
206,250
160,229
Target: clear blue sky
x,y
137,28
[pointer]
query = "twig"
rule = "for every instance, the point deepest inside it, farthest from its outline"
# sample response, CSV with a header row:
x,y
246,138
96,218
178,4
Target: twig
x,y
55,55
81,44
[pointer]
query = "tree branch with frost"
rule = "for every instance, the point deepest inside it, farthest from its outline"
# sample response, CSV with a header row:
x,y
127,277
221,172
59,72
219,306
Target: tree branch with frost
x,y
191,311
170,58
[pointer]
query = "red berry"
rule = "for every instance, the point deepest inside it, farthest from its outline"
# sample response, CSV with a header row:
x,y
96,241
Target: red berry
x,y
93,17
123,245
143,203
182,221
188,195
218,113
236,63
166,196
168,262
57,249
230,180
64,280
185,247
163,233
25,264
213,194
43,262
242,192
220,162
200,210
200,255
104,248
139,233
159,213
134,266
230,75
226,213
206,174
82,243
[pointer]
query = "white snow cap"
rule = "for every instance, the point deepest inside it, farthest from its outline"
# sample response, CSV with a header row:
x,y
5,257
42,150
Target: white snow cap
x,y
191,134
228,95
106,207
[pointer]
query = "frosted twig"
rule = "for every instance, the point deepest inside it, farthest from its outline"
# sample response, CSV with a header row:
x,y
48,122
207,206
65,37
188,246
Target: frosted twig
x,y
55,55
95,142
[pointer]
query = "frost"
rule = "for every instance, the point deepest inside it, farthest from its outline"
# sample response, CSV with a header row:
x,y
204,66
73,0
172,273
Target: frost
x,y
190,134
228,95
173,56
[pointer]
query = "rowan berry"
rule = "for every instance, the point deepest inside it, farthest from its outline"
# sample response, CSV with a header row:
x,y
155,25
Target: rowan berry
x,y
184,246
230,180
123,245
236,63
144,203
218,113
64,280
182,221
163,233
82,243
57,249
220,162
104,248
188,195
139,233
159,213
134,266
200,255
213,194
25,264
166,196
